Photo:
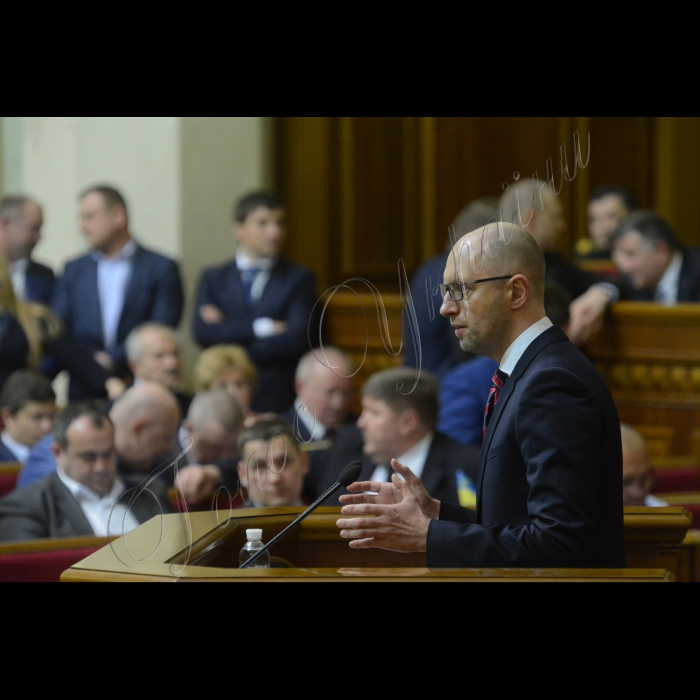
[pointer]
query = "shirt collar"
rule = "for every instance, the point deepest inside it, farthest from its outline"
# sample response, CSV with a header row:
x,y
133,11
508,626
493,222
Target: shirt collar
x,y
517,349
19,450
316,429
416,457
125,253
19,266
667,289
83,494
244,262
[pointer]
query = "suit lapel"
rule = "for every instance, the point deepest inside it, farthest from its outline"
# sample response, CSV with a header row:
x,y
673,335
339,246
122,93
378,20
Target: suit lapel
x,y
93,307
134,290
552,335
432,471
69,508
273,288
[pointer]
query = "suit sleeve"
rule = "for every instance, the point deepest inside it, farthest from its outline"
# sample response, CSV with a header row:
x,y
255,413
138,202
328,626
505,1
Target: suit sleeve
x,y
170,299
234,330
60,299
18,523
302,318
558,429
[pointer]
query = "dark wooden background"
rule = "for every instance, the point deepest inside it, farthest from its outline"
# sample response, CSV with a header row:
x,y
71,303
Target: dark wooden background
x,y
363,193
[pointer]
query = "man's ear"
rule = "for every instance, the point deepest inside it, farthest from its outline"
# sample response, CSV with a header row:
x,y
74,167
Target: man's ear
x,y
520,291
242,470
139,426
55,450
119,215
409,421
6,415
305,464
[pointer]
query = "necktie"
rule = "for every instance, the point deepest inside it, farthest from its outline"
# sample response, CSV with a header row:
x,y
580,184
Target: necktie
x,y
499,380
249,276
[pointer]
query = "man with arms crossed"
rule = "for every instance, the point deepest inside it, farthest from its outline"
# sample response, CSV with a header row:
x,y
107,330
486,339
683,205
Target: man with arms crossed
x,y
550,472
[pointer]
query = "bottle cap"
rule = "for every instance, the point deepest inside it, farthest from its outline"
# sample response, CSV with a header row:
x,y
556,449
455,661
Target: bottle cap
x,y
254,535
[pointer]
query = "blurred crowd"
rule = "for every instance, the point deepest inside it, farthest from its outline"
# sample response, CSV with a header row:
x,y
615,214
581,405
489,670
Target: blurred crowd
x,y
268,418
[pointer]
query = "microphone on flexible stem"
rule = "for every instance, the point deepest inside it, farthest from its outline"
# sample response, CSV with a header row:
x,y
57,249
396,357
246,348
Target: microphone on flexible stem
x,y
350,475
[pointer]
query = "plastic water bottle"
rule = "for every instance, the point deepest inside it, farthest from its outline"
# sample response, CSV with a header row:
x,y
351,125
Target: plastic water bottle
x,y
252,547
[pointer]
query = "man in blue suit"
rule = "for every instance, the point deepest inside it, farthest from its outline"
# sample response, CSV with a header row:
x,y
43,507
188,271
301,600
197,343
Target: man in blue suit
x,y
119,285
21,220
550,473
260,301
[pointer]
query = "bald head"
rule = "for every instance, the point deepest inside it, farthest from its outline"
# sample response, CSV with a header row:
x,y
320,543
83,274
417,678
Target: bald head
x,y
637,477
217,407
146,419
500,249
324,386
531,205
501,270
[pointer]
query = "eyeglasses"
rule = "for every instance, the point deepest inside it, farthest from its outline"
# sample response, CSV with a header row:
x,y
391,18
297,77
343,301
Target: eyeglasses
x,y
456,289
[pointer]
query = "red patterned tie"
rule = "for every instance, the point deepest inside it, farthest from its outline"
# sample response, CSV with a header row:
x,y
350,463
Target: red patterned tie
x,y
499,379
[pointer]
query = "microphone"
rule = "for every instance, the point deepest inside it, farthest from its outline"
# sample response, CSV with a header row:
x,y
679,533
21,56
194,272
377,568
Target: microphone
x,y
349,475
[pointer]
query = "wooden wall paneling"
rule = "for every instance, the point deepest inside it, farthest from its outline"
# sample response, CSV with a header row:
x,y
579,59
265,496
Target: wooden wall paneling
x,y
306,183
678,174
431,243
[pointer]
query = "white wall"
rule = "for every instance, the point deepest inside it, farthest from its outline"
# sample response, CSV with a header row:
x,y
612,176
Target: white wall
x,y
179,175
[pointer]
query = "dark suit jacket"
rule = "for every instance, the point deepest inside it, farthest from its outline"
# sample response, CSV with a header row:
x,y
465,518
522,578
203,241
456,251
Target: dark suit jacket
x,y
550,473
290,296
154,293
445,458
40,283
688,284
438,345
14,346
5,454
48,510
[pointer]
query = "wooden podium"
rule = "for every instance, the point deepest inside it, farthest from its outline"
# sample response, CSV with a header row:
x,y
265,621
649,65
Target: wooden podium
x,y
204,547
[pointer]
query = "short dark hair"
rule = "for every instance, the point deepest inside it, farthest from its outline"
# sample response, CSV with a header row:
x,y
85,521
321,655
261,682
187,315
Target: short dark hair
x,y
23,387
111,196
653,229
266,430
252,202
72,413
395,387
12,206
557,304
628,199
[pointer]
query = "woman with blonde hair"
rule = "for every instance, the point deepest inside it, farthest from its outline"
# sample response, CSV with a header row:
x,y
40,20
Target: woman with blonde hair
x,y
29,332
227,367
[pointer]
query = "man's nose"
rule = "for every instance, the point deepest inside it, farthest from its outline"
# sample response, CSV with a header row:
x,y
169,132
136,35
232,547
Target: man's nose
x,y
449,307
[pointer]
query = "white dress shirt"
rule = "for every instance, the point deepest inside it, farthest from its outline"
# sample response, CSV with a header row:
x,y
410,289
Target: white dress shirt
x,y
667,289
262,327
316,429
98,510
20,451
18,271
517,349
113,275
414,459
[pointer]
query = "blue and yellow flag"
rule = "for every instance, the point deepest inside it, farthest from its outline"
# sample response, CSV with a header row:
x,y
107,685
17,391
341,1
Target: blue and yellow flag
x,y
466,490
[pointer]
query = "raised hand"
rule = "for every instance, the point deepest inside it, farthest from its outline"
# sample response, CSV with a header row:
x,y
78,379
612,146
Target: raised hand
x,y
395,526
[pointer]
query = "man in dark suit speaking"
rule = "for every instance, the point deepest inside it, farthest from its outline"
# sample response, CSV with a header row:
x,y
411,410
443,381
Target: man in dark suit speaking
x,y
119,285
550,472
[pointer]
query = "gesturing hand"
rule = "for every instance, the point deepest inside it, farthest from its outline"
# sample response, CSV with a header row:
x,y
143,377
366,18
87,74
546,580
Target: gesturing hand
x,y
389,493
393,520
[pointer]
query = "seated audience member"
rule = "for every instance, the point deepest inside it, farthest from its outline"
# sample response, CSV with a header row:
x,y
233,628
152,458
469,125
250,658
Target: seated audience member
x,y
28,405
86,495
324,382
146,419
260,301
465,390
399,416
153,355
531,205
272,468
210,434
608,207
102,296
439,348
227,367
659,267
21,220
30,335
637,475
